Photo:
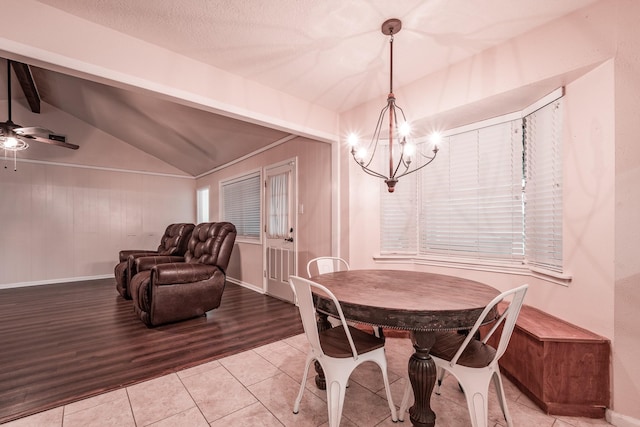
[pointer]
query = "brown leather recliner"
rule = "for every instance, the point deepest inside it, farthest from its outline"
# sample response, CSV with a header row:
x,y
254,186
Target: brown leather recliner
x,y
172,288
173,242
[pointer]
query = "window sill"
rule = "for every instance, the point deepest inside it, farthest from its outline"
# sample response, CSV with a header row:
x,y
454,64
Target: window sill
x,y
248,241
516,267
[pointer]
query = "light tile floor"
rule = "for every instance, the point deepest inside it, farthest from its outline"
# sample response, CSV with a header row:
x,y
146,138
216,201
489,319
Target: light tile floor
x,y
258,388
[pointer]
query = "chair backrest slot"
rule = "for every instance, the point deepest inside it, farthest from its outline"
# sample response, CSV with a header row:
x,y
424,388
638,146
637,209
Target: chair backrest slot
x,y
326,264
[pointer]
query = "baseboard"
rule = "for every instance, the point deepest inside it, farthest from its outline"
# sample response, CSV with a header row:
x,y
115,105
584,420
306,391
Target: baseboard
x,y
620,420
53,281
245,285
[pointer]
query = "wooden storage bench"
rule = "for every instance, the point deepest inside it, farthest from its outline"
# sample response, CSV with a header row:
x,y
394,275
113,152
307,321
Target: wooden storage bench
x,y
563,368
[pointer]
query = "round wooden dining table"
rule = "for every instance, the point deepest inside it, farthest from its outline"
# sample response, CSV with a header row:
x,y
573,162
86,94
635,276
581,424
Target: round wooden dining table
x,y
419,302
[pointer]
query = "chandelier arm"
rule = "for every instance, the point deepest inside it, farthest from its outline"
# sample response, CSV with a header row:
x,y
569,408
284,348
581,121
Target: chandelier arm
x,y
376,137
402,162
372,172
418,168
401,112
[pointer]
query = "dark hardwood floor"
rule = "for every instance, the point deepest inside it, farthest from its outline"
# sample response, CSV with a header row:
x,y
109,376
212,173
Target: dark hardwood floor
x,y
64,342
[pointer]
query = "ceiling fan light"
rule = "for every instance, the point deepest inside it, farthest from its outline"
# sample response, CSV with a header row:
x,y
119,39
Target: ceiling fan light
x,y
11,143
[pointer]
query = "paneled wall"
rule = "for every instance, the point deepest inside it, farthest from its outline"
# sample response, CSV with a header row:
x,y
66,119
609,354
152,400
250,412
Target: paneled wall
x,y
65,223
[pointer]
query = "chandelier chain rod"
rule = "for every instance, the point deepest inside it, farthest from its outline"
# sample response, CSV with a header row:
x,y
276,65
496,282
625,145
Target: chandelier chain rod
x,y
391,63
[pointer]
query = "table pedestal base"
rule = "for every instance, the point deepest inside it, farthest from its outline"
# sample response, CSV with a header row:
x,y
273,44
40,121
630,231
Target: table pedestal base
x,y
422,374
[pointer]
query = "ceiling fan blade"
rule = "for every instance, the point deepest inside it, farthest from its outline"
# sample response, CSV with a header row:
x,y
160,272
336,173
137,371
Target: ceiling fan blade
x,y
33,130
52,140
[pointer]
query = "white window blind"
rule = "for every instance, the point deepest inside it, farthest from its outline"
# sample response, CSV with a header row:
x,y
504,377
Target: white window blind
x,y
471,195
241,205
202,205
543,188
399,222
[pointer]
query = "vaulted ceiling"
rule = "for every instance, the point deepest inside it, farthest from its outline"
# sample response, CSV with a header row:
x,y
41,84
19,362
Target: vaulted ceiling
x,y
330,53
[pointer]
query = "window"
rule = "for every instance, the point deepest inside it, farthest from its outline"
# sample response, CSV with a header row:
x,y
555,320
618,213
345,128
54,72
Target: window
x,y
493,195
240,205
543,187
278,204
472,195
202,205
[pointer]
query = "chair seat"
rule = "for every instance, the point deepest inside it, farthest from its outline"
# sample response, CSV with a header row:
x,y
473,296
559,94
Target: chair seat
x,y
334,342
475,355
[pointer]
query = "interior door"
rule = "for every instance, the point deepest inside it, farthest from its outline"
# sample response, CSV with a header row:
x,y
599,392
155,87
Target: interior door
x,y
280,229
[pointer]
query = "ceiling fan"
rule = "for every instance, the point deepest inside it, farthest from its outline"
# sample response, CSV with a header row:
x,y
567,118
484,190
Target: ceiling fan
x,y
14,137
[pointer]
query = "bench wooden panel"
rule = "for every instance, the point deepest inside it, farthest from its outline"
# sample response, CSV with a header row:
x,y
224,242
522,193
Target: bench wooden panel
x,y
563,368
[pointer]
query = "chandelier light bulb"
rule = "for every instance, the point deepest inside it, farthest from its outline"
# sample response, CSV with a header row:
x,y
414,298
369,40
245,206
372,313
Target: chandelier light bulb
x,y
436,138
352,140
405,129
409,150
361,154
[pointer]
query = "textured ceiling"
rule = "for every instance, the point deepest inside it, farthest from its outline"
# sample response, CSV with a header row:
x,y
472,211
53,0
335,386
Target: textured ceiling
x,y
328,52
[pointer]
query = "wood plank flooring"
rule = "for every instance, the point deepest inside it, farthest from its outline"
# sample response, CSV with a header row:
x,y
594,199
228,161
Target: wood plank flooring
x,y
64,342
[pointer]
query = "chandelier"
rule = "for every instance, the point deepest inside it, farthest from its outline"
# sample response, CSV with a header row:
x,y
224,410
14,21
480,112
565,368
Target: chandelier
x,y
392,118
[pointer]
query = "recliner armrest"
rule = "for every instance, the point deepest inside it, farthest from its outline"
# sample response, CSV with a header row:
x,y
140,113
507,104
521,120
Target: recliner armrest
x,y
174,273
148,262
136,252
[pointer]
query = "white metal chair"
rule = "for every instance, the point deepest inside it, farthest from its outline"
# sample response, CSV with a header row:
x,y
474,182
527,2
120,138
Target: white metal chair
x,y
474,363
326,264
329,264
339,351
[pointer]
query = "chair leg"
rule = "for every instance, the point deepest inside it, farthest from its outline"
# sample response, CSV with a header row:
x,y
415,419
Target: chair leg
x,y
502,399
476,393
296,405
440,372
335,400
408,392
387,388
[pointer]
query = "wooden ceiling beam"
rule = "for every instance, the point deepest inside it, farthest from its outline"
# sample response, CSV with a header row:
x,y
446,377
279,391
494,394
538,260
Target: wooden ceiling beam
x,y
23,73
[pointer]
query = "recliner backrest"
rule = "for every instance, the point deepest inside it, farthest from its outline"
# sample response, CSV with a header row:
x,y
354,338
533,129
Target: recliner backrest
x,y
175,239
211,243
